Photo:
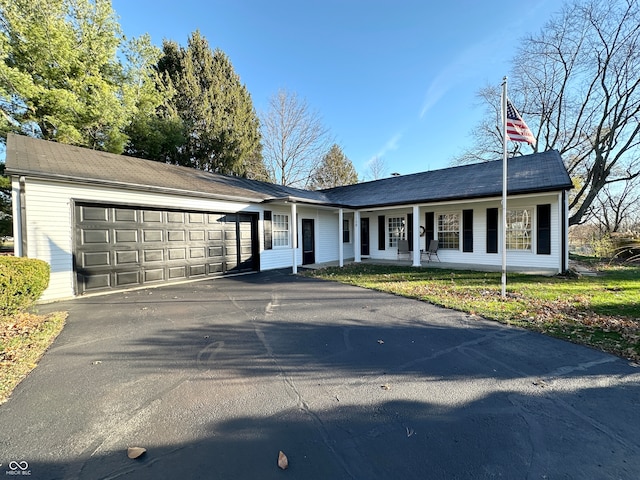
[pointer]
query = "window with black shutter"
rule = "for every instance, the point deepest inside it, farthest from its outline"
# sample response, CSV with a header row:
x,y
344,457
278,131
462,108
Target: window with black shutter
x,y
267,230
381,232
467,230
544,229
492,230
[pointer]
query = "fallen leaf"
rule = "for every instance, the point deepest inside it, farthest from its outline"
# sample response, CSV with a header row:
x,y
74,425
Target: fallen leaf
x,y
380,342
135,452
283,462
385,387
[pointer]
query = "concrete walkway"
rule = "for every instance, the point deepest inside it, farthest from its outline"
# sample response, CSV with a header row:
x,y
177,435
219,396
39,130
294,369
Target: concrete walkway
x,y
215,378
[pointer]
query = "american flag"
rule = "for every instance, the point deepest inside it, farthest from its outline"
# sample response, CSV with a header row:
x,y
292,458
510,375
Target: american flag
x,y
517,130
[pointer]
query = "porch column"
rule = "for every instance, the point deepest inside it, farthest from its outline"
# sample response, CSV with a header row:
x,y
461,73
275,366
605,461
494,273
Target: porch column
x,y
416,236
340,237
356,237
294,237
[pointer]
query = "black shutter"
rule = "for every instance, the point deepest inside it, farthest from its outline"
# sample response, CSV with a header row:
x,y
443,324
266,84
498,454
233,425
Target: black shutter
x,y
428,227
467,230
267,230
381,232
544,229
492,230
410,230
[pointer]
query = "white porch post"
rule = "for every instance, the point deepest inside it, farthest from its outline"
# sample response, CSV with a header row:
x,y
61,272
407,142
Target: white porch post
x,y
416,236
340,237
357,254
294,237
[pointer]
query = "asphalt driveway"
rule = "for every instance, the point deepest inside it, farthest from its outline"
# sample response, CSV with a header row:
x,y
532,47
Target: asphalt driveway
x,y
215,378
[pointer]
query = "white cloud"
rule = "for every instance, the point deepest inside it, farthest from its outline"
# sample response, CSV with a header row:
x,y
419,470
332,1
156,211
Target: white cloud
x,y
392,144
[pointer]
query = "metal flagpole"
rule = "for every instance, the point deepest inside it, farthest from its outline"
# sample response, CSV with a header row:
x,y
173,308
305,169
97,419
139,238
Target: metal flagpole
x,y
504,187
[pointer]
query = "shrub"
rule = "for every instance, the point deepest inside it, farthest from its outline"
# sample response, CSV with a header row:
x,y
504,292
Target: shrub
x,y
22,281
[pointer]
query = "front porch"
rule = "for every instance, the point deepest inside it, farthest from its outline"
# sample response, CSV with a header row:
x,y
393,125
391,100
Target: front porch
x,y
443,265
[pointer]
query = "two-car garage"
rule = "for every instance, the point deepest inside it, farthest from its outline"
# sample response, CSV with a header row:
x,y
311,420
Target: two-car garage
x,y
120,246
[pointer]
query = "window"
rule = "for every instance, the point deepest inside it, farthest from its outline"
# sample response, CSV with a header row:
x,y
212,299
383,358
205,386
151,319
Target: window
x,y
449,230
396,230
345,231
280,233
519,229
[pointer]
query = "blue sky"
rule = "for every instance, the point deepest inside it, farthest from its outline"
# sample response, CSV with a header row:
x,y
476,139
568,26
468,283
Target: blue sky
x,y
394,79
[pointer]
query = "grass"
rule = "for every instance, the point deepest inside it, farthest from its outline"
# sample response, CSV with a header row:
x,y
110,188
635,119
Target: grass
x,y
602,311
23,340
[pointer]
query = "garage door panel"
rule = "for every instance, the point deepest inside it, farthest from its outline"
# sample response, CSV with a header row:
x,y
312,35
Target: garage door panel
x,y
95,259
95,214
175,217
123,236
155,275
120,246
125,257
197,235
177,254
151,256
177,272
150,236
127,278
176,236
95,236
151,216
125,215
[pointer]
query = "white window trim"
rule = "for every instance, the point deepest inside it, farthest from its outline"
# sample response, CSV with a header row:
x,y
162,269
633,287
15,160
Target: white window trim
x,y
402,230
275,230
458,213
532,220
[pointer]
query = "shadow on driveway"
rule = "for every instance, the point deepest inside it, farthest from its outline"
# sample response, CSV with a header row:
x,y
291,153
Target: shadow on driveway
x,y
215,377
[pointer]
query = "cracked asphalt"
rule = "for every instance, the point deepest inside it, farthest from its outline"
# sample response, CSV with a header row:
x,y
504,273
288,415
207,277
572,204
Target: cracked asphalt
x,y
214,378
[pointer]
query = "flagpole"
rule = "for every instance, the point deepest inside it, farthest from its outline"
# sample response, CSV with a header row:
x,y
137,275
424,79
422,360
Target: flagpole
x,y
504,187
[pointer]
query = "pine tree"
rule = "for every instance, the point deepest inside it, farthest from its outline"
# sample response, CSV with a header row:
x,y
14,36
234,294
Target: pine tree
x,y
335,170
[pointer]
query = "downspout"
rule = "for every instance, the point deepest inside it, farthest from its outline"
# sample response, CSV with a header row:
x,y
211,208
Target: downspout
x,y
23,218
565,233
294,238
340,238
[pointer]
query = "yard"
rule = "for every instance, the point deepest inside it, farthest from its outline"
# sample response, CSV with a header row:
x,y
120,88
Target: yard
x,y
600,311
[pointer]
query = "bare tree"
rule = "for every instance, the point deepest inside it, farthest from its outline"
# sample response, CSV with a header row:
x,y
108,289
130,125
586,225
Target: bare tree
x,y
294,140
616,209
577,84
376,169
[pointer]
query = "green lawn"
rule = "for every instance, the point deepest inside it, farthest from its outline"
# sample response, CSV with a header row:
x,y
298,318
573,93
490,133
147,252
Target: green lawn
x,y
602,311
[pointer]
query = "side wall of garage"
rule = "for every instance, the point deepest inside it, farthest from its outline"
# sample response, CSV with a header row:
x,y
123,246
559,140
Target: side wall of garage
x,y
50,221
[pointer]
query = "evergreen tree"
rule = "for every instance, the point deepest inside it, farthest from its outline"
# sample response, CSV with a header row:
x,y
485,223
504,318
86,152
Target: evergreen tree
x,y
220,126
335,170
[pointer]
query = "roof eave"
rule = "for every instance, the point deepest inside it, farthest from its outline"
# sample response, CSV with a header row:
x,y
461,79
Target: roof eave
x,y
134,186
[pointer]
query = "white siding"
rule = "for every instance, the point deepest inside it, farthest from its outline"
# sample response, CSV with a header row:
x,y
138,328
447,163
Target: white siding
x,y
50,222
479,256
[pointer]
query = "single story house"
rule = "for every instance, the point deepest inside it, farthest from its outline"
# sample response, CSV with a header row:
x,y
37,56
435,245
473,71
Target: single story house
x,y
107,222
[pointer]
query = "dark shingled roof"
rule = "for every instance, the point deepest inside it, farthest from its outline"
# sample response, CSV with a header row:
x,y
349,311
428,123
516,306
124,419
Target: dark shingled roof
x,y
539,172
39,158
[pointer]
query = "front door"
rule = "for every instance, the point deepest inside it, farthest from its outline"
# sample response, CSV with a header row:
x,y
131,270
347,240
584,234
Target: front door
x,y
308,242
364,236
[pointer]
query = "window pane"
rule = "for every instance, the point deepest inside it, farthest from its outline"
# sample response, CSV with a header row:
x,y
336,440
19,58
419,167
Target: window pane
x,y
449,230
280,230
396,230
519,229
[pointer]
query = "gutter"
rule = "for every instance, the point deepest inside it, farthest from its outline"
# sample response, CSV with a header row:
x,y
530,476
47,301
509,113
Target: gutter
x,y
137,187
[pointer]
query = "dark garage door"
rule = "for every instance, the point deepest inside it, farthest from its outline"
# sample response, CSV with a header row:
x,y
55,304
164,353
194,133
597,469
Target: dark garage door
x,y
120,247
